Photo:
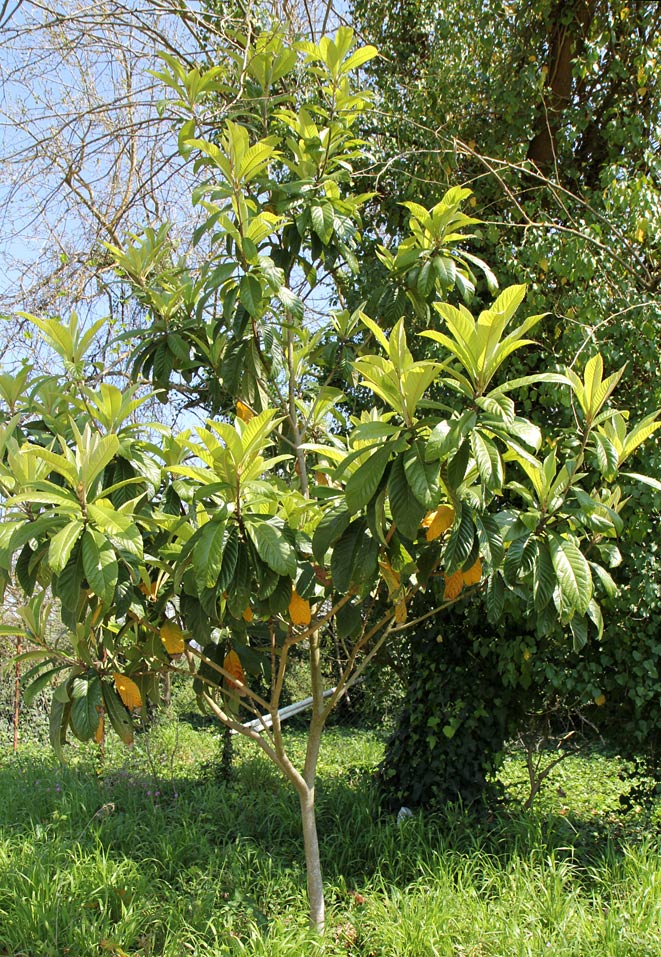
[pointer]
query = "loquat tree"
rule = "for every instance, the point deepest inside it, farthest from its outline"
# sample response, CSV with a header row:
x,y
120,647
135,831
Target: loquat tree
x,y
289,516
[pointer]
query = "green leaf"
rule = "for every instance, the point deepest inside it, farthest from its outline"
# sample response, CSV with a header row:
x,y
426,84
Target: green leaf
x,y
605,578
364,482
488,460
607,455
573,574
596,617
457,465
39,684
292,303
407,512
117,714
579,630
100,565
250,295
322,221
329,529
230,556
85,705
491,539
514,558
60,712
495,598
348,620
272,546
104,451
422,477
208,552
461,541
62,544
354,559
543,577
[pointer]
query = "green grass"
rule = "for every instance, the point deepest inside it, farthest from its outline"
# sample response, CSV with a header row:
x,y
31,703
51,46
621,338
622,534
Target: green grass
x,y
179,862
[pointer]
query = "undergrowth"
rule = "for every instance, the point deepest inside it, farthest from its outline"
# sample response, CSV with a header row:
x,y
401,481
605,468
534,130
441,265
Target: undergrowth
x,y
155,853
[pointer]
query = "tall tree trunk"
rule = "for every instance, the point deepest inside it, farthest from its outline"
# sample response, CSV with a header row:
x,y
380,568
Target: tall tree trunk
x,y
571,23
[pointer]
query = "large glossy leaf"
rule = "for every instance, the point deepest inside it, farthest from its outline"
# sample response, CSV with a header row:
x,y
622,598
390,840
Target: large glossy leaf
x,y
461,541
100,565
573,574
117,714
488,460
354,559
85,706
543,576
272,545
364,482
329,529
421,476
208,552
407,512
491,539
61,545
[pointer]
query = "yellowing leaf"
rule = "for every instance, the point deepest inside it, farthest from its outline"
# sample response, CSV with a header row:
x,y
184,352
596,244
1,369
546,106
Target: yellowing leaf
x,y
600,700
173,638
438,522
400,611
232,664
244,412
150,591
128,691
390,576
299,610
98,734
247,614
474,574
453,585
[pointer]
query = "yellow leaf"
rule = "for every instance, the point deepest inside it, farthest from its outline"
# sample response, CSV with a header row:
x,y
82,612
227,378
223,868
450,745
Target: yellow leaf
x,y
453,585
247,614
299,610
400,611
128,691
150,591
600,700
173,638
474,574
232,664
244,412
98,734
438,522
390,576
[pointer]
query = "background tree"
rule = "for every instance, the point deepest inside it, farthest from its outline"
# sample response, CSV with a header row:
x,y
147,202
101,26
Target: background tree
x,y
549,116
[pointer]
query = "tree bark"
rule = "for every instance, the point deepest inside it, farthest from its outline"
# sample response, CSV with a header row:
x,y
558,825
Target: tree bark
x,y
312,860
572,20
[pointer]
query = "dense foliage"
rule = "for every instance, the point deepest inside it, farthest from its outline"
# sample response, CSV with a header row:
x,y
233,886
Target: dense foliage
x,y
353,481
552,115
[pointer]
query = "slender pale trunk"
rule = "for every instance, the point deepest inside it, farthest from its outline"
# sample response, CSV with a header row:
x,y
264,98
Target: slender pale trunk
x,y
312,860
17,695
306,792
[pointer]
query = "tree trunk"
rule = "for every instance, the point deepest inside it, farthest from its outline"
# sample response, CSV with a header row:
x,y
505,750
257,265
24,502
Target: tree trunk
x,y
572,22
17,695
312,860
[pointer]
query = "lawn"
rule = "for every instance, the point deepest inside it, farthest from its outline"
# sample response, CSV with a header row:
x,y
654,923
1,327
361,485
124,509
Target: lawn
x,y
158,855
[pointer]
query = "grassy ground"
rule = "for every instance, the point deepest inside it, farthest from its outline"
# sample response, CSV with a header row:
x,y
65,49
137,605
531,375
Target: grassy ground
x,y
178,862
